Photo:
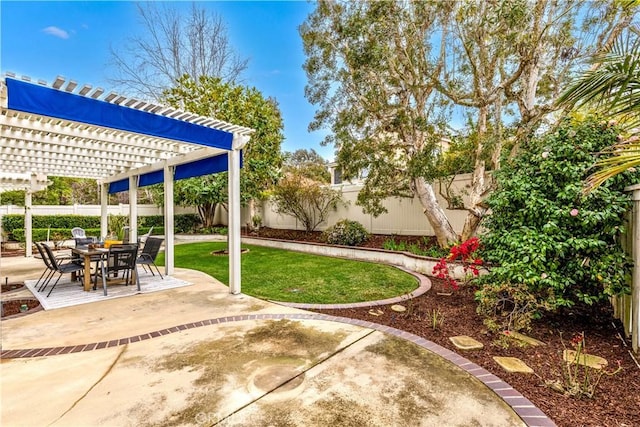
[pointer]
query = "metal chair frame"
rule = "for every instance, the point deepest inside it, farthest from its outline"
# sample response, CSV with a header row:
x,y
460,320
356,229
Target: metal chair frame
x,y
77,232
120,258
61,268
48,271
149,254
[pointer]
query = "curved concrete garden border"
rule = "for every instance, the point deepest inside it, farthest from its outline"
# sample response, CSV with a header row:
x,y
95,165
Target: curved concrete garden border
x,y
420,264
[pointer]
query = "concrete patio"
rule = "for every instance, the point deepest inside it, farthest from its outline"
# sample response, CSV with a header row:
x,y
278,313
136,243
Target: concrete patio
x,y
198,355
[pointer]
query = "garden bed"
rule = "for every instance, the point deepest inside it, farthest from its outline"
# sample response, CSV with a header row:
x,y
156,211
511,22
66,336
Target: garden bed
x,y
617,399
19,307
11,287
375,241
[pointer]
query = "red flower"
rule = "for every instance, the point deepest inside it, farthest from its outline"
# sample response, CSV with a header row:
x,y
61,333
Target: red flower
x,y
578,339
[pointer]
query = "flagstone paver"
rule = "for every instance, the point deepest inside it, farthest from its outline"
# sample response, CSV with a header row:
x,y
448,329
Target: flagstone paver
x,y
590,360
513,364
464,342
523,338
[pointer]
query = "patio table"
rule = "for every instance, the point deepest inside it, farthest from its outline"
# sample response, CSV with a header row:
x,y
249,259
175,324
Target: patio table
x,y
87,253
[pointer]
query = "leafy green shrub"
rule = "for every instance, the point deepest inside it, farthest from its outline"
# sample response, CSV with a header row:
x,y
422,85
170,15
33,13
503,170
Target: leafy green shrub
x,y
214,230
310,202
40,234
510,307
152,220
116,225
13,221
186,223
66,221
392,245
544,237
157,231
347,233
423,249
13,225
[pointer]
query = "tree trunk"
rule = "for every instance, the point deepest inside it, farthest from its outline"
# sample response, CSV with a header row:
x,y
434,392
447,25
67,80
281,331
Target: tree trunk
x,y
478,184
252,213
476,210
445,234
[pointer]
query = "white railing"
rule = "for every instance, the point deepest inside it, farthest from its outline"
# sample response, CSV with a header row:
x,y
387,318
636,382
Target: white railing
x,y
90,210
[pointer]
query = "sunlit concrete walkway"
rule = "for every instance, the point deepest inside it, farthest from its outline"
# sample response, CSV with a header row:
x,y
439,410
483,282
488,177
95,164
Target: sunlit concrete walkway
x,y
200,356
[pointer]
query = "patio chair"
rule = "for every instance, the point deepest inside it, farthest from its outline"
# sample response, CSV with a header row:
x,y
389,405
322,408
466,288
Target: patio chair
x,y
143,239
48,271
149,254
83,241
59,267
48,267
121,259
78,232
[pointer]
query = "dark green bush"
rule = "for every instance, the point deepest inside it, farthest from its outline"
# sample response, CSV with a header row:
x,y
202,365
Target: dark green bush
x,y
221,230
186,223
157,231
13,225
40,234
544,237
347,233
11,222
152,220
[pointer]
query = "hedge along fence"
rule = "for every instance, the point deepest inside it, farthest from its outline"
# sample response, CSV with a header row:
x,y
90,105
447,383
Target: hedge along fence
x,y
57,234
58,227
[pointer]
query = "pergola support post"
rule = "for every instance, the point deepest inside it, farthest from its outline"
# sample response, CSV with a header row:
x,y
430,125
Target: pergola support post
x,y
168,220
28,224
133,209
104,218
234,222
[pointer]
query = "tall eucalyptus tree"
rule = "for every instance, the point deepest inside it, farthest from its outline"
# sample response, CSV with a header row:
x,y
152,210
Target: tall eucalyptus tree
x,y
386,77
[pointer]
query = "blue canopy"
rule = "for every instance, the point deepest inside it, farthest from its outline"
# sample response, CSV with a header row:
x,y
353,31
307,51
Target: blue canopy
x,y
193,169
45,101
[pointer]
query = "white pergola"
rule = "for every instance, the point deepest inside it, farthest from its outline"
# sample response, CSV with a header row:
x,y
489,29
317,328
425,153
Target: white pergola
x,y
72,131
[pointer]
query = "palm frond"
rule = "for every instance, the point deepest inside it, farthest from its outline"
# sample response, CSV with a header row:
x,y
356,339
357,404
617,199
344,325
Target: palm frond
x,y
618,158
613,86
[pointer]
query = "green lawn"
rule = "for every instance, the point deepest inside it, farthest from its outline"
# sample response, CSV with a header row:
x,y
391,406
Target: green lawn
x,y
282,275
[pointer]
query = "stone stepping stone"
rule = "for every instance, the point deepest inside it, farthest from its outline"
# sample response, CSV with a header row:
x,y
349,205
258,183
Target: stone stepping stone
x,y
399,308
464,342
523,338
513,364
376,312
590,360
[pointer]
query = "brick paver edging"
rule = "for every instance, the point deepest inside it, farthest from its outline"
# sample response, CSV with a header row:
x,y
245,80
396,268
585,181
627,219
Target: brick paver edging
x,y
526,410
424,286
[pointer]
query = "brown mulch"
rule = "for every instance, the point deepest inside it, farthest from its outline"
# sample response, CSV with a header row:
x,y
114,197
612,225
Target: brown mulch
x,y
375,240
617,399
8,287
12,307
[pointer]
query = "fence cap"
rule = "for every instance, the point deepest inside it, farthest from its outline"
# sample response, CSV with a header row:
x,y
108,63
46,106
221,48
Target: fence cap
x,y
635,189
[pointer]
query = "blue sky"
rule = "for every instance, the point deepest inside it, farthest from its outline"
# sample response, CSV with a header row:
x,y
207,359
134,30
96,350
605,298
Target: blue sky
x,y
45,39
